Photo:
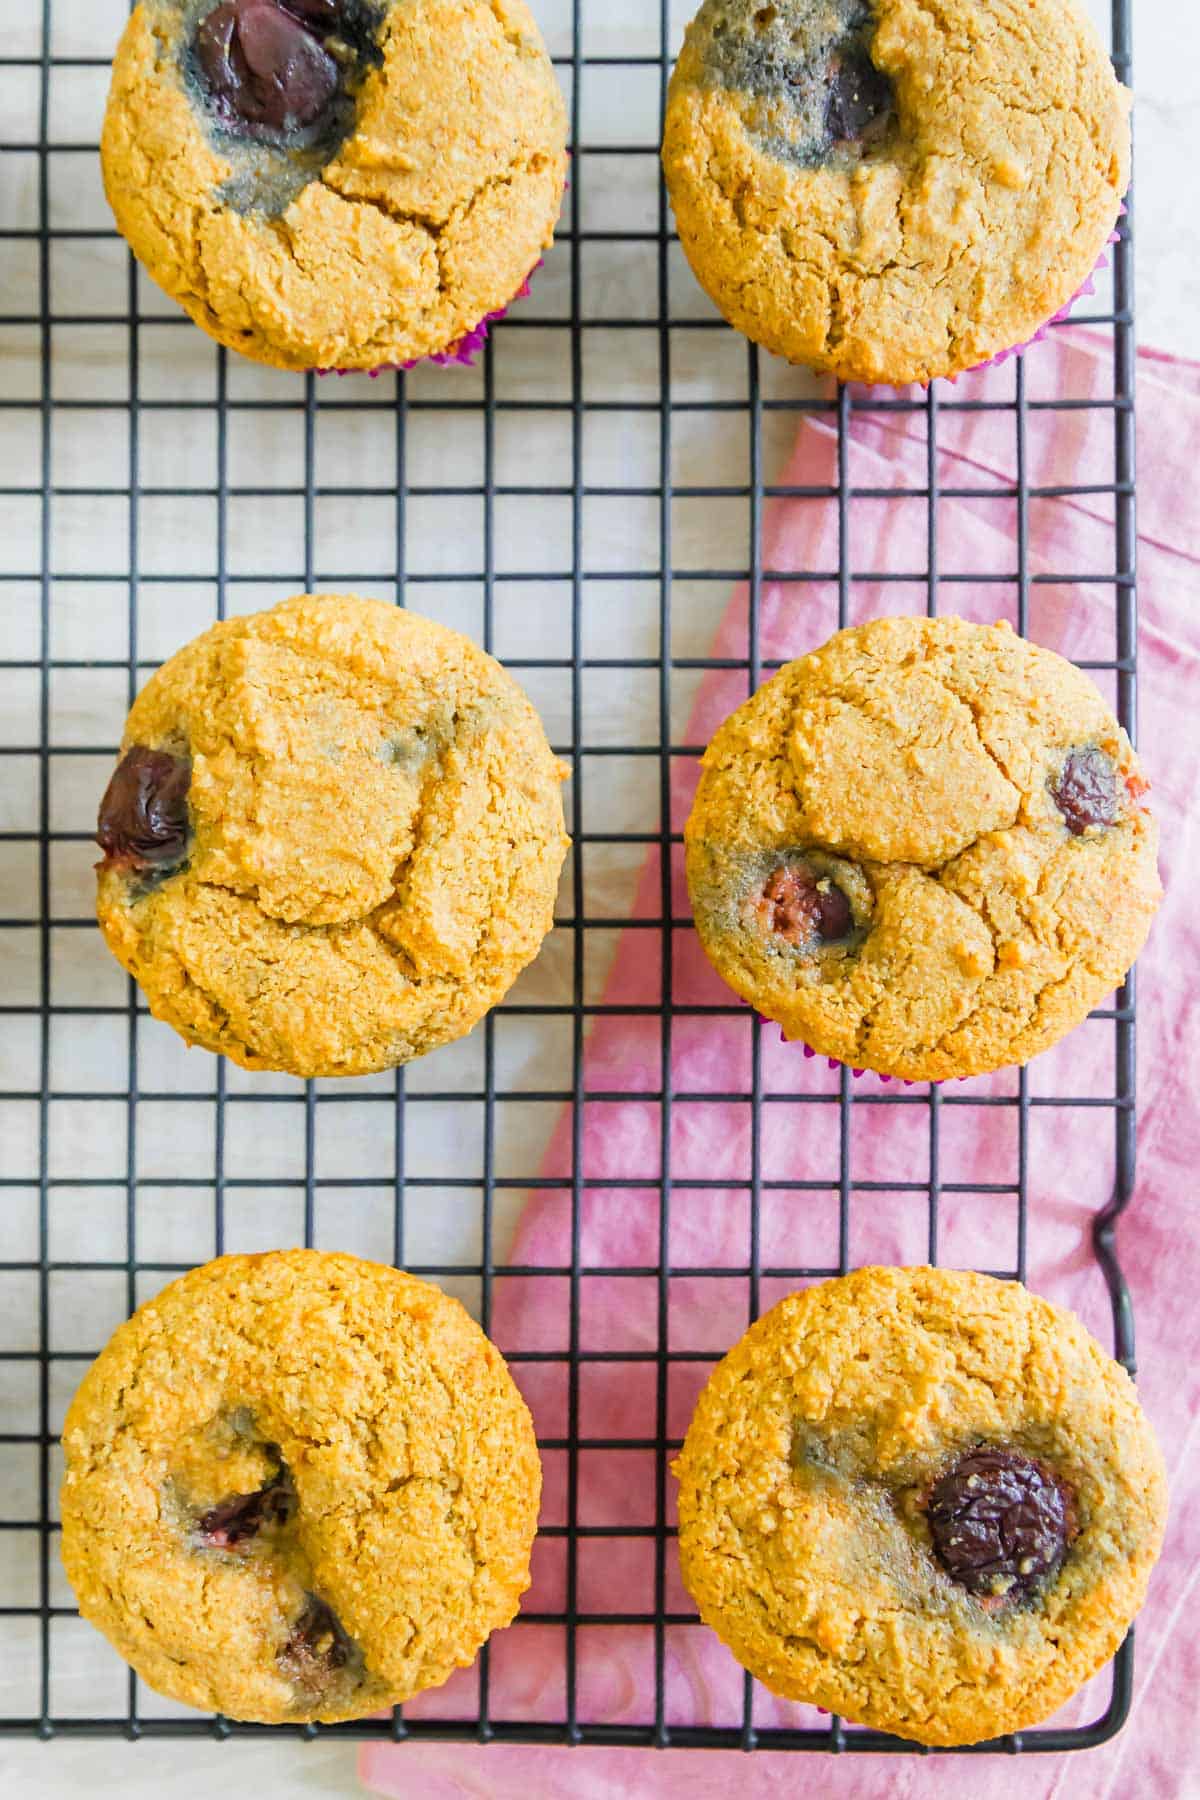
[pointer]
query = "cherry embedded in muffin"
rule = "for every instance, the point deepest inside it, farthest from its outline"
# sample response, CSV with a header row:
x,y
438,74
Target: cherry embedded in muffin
x,y
805,75
802,908
282,71
1085,790
316,1647
143,821
858,100
236,1522
263,67
1001,1522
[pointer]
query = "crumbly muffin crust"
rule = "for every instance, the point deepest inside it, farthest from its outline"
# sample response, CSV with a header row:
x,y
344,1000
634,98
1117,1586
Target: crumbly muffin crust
x,y
804,1501
373,835
977,812
389,1457
422,210
888,190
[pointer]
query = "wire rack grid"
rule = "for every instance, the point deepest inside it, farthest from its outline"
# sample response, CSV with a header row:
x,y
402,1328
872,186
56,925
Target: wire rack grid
x,y
583,502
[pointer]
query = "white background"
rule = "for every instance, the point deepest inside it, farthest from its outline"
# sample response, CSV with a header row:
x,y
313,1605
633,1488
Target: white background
x,y
1167,66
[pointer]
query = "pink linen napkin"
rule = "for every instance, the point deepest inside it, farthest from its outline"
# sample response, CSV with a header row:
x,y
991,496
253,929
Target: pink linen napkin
x,y
1070,1150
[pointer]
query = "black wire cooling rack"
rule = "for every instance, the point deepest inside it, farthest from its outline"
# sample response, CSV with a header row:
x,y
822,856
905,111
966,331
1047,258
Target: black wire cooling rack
x,y
115,1180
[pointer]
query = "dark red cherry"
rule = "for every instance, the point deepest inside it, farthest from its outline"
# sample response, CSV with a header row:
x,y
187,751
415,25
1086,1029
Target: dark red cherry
x,y
805,910
1001,1522
240,1518
858,100
1085,791
143,819
264,67
317,1645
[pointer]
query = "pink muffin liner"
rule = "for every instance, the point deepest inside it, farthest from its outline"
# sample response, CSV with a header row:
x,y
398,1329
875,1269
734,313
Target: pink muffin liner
x,y
859,1073
463,353
1043,331
833,1063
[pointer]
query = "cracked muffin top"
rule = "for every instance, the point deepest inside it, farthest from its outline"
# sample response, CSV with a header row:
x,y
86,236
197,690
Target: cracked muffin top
x,y
924,1499
335,183
891,190
298,1486
923,849
333,839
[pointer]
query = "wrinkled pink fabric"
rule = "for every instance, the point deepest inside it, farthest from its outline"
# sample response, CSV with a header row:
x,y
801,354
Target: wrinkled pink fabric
x,y
1070,1152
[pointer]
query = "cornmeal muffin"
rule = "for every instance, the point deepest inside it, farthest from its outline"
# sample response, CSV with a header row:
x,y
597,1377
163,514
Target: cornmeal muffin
x,y
298,1486
889,190
335,183
333,839
925,1500
924,849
